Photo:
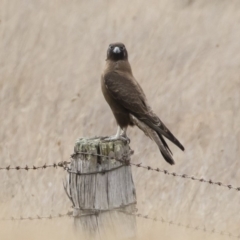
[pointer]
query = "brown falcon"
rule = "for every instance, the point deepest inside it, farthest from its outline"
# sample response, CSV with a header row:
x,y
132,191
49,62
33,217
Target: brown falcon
x,y
128,101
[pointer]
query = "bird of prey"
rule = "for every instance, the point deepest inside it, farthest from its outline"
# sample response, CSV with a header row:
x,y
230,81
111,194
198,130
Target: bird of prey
x,y
128,101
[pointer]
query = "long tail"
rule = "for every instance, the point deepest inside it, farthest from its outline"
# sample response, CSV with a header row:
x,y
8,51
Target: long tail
x,y
160,128
157,138
155,123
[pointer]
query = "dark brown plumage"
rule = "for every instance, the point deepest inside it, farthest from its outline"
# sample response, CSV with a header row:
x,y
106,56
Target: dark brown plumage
x,y
128,101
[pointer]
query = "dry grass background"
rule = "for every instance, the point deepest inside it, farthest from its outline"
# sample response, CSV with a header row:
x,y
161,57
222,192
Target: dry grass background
x,y
184,53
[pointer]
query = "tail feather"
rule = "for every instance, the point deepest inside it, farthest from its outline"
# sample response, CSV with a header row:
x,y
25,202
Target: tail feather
x,y
164,149
167,158
157,138
164,143
163,130
154,122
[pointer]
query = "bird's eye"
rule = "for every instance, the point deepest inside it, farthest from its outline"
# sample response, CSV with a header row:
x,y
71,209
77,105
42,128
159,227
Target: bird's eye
x,y
110,46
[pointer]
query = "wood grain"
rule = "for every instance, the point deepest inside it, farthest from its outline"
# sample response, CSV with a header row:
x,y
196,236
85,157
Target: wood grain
x,y
98,197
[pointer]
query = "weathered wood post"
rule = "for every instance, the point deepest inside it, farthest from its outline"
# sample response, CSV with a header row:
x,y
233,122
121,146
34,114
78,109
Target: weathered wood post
x,y
101,188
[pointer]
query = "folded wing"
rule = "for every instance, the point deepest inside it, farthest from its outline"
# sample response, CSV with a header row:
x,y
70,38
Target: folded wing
x,y
128,93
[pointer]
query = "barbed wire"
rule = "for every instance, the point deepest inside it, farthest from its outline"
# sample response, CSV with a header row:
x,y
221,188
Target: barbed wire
x,y
125,160
37,217
186,226
53,165
139,215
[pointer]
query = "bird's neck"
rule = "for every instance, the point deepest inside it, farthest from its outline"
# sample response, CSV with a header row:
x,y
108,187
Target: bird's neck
x,y
120,66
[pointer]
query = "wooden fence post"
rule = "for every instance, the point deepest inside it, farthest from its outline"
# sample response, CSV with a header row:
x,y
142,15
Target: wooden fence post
x,y
101,188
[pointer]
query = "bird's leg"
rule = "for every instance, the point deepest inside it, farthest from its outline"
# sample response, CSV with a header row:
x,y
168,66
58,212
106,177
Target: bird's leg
x,y
118,132
124,134
120,135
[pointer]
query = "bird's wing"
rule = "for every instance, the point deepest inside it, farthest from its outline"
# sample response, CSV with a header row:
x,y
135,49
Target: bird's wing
x,y
127,92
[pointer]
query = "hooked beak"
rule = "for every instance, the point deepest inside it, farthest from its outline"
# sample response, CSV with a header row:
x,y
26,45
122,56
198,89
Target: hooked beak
x,y
116,50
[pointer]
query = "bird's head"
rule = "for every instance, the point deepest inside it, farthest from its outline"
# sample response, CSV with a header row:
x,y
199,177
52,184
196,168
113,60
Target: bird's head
x,y
117,52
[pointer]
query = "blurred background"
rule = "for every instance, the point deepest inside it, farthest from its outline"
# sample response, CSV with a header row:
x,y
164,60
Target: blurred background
x,y
184,54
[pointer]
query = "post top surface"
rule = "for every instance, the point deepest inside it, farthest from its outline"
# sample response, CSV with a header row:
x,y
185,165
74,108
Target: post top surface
x,y
93,144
